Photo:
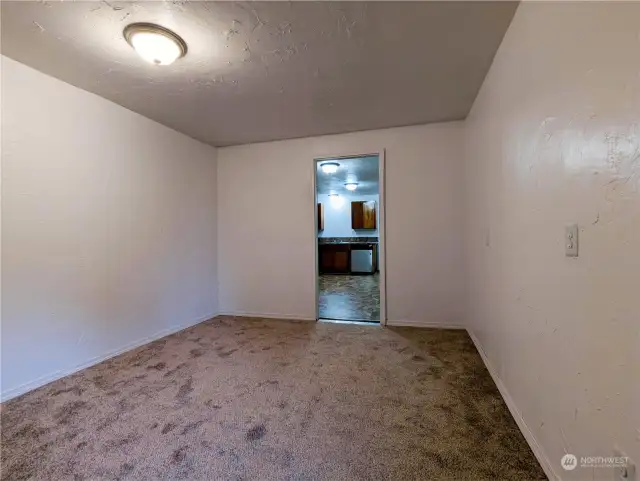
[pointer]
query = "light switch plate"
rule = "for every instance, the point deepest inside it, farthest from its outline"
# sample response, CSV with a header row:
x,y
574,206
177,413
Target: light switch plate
x,y
571,241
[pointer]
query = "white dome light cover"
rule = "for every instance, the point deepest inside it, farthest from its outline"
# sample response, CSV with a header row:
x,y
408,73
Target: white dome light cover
x,y
351,186
329,167
155,44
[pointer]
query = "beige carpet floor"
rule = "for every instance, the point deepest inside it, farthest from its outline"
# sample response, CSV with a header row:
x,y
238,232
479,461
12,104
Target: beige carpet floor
x,y
261,399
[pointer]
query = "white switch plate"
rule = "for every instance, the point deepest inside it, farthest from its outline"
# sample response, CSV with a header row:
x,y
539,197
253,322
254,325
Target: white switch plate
x,y
571,240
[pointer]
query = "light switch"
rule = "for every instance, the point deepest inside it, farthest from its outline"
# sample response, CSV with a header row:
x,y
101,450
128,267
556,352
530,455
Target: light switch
x,y
571,241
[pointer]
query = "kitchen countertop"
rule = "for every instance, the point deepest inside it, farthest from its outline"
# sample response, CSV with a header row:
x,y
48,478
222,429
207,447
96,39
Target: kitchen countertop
x,y
347,240
347,243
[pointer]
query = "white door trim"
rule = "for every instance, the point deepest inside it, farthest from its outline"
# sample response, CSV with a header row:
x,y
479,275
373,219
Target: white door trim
x,y
381,228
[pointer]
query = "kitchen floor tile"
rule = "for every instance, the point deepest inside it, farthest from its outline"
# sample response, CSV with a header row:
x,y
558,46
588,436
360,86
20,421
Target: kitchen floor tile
x,y
350,297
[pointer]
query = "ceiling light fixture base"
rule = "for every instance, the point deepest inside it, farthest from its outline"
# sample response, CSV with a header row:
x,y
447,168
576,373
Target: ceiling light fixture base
x,y
160,33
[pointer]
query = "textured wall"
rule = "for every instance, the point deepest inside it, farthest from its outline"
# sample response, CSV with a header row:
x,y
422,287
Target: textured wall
x,y
554,139
108,228
267,235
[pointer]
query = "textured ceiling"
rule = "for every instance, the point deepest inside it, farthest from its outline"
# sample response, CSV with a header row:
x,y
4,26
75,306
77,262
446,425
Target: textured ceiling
x,y
262,71
363,170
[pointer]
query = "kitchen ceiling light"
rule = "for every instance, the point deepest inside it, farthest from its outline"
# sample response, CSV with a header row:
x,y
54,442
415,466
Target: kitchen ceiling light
x,y
155,44
351,186
329,167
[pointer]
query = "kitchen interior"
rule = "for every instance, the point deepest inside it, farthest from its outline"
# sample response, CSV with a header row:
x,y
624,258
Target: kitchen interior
x,y
348,202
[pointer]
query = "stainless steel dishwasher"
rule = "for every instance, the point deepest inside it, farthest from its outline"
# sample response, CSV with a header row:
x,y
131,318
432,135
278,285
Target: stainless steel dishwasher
x,y
362,259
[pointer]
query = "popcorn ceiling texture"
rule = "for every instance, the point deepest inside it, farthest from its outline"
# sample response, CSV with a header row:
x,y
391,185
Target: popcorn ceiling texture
x,y
237,398
258,71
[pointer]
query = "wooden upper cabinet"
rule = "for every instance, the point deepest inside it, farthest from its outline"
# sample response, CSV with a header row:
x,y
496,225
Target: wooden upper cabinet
x,y
320,216
363,215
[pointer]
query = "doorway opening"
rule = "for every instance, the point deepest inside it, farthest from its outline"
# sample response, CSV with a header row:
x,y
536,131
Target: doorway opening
x,y
350,238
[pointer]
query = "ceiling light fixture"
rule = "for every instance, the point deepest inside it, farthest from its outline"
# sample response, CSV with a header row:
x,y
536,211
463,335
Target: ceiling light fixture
x,y
351,186
329,167
155,44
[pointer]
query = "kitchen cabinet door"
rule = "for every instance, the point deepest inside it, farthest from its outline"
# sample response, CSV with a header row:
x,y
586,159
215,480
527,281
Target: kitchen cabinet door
x,y
363,215
334,258
327,260
320,217
341,261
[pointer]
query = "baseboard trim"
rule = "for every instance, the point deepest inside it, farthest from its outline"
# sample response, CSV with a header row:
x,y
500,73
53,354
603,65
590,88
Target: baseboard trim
x,y
517,415
43,380
408,323
270,315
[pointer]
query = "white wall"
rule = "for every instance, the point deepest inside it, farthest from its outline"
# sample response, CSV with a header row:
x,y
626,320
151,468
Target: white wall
x,y
337,216
267,235
554,139
108,228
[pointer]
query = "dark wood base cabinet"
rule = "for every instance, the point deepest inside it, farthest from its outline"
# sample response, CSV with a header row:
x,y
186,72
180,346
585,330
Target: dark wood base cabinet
x,y
334,258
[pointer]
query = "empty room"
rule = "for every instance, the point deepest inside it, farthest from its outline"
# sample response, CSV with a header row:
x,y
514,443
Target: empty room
x,y
320,240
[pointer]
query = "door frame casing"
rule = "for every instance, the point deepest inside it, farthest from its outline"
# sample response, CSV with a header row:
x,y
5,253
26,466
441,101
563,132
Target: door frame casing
x,y
381,227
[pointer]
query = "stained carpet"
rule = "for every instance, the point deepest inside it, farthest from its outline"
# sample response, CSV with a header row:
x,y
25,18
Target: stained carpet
x,y
236,398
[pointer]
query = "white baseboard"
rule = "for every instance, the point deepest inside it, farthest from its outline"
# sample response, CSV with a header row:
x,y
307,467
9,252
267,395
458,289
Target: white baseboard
x,y
41,381
269,315
539,453
408,323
